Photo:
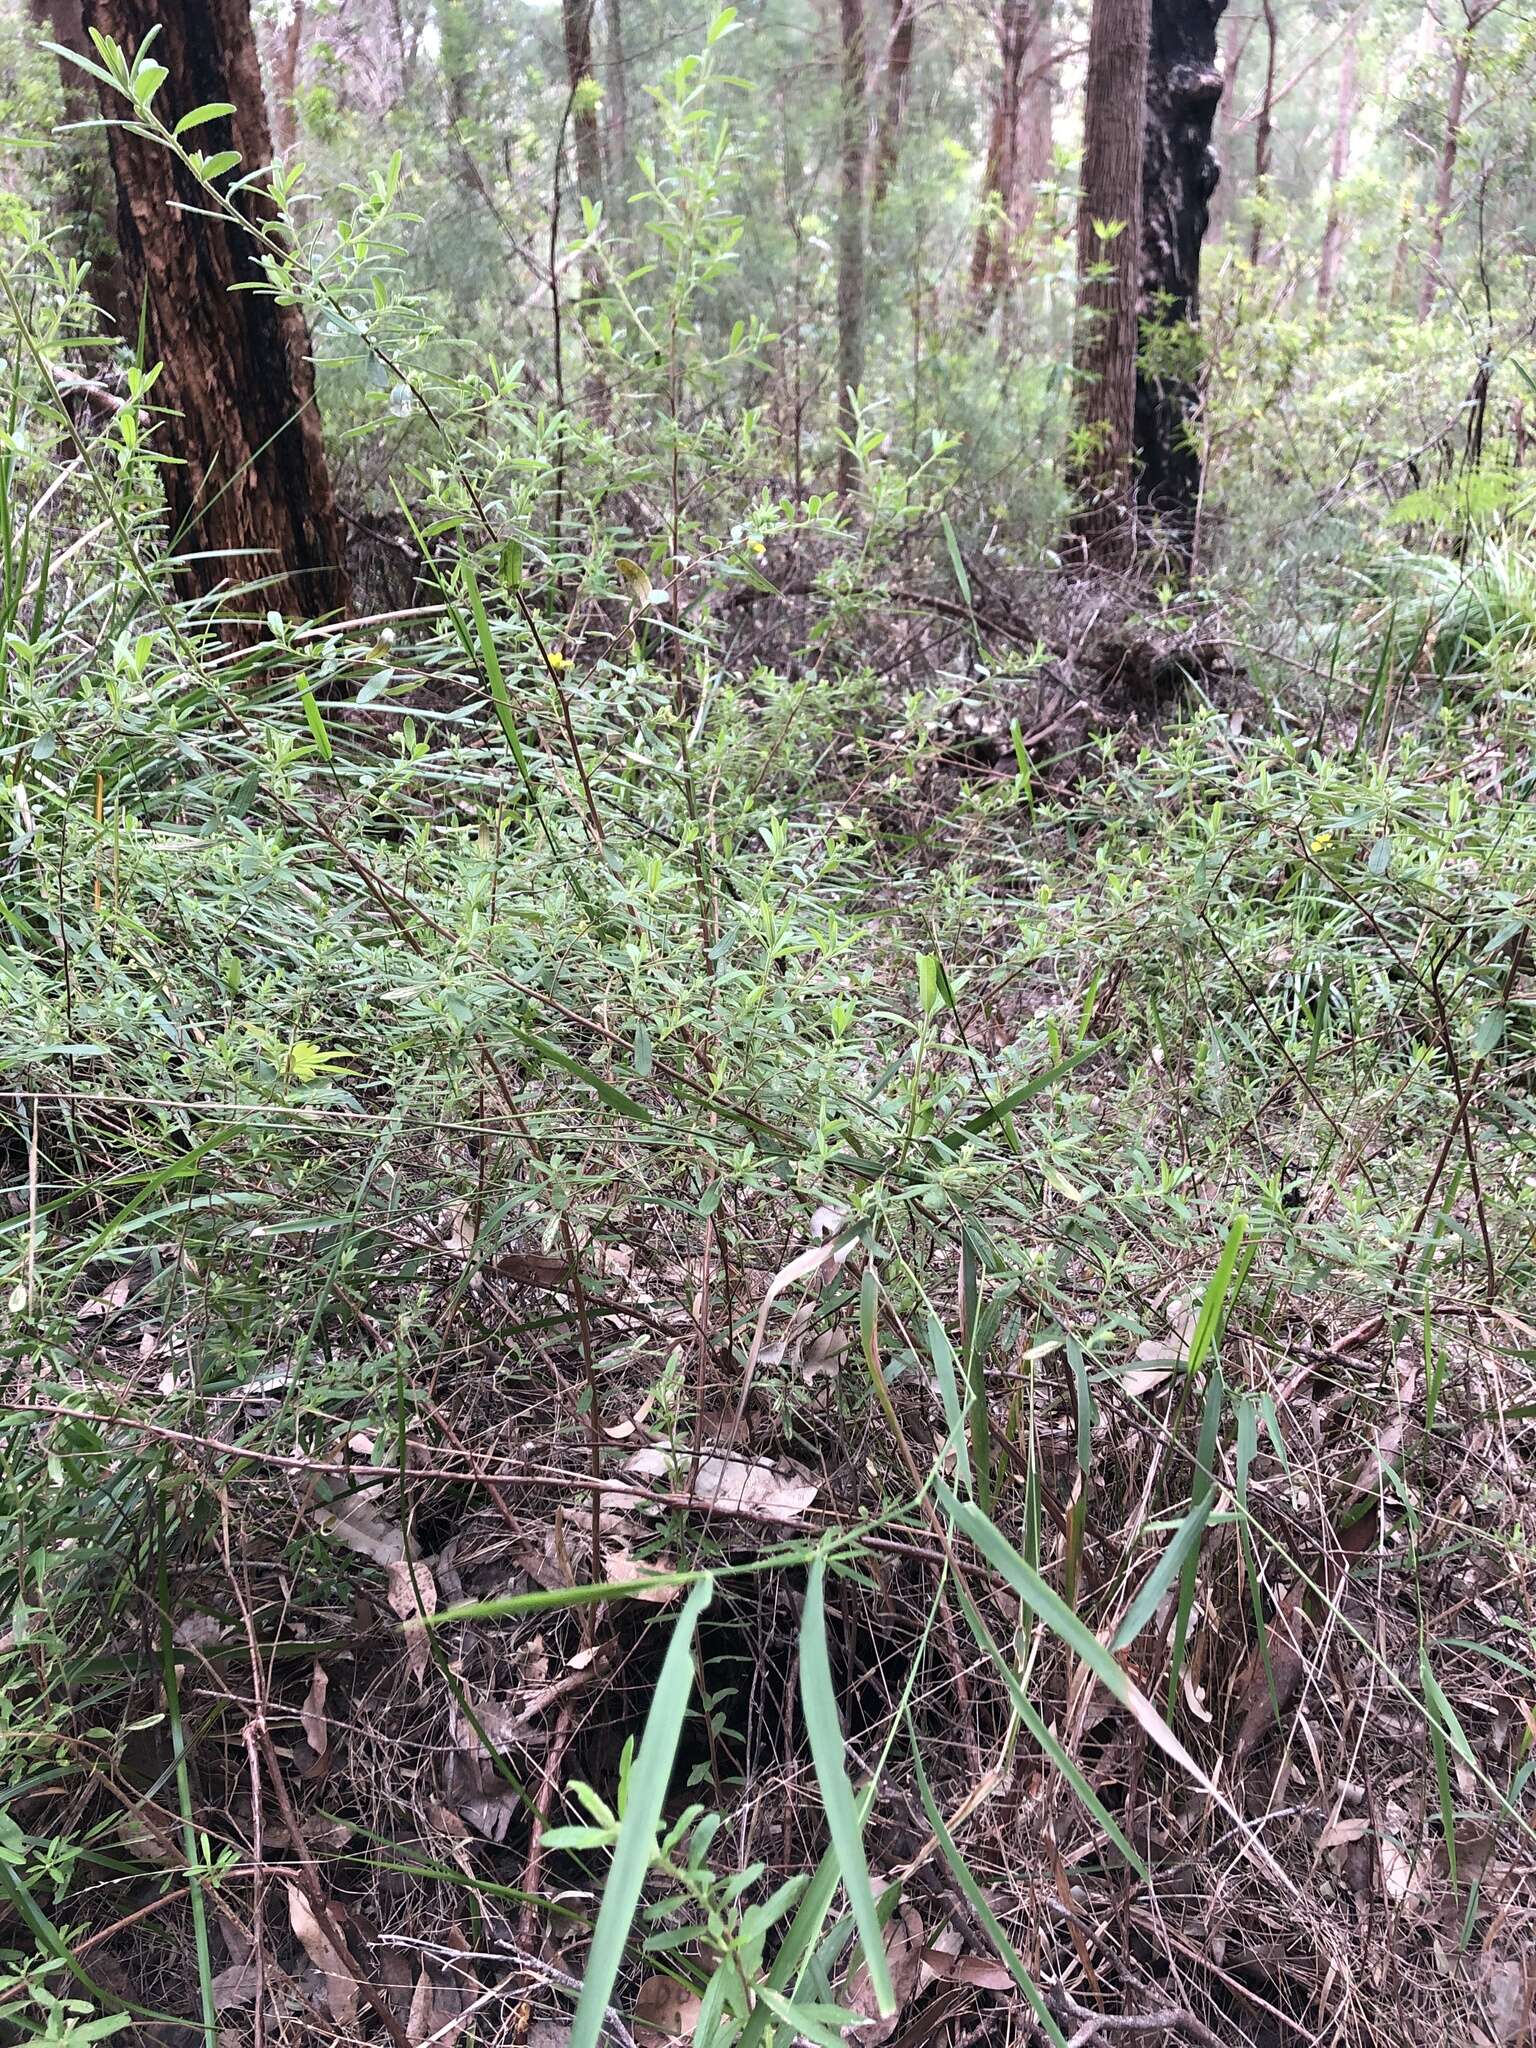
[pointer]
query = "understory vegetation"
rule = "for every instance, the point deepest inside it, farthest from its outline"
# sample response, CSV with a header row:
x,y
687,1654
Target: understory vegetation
x,y
766,1260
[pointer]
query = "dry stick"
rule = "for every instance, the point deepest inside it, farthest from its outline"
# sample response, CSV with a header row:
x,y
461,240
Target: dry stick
x,y
543,1799
1095,2023
627,1487
309,1879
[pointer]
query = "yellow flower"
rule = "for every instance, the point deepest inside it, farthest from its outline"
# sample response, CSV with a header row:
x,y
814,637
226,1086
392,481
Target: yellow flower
x,y
558,661
1323,839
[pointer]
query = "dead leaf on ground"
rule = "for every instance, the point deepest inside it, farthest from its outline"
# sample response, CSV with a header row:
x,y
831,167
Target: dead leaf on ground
x,y
312,1714
621,1568
1338,1834
197,1632
749,1485
340,1984
412,1594
357,1522
109,1301
983,1973
439,2012
753,1485
664,2011
234,1986
904,1960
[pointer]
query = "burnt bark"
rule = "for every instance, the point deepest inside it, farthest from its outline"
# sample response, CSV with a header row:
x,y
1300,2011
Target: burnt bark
x,y
1179,174
1108,263
248,492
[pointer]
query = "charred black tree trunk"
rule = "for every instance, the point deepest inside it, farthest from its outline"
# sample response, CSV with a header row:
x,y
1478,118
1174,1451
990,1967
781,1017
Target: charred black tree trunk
x,y
248,493
1179,175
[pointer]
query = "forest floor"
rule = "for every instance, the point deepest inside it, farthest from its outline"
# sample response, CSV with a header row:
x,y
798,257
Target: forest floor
x,y
1018,1181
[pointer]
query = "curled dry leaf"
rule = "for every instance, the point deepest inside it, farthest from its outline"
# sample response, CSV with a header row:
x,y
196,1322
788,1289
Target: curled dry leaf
x,y
1349,1827
412,1594
340,1984
665,2011
312,1719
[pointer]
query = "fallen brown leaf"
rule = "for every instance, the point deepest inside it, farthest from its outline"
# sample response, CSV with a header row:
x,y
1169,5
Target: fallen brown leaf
x,y
312,1714
340,1985
413,1593
665,2011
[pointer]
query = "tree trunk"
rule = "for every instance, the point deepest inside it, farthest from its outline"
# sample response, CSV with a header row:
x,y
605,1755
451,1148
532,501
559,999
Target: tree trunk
x,y
1179,175
576,21
88,177
850,239
1263,135
898,83
1338,168
991,257
249,494
1234,41
1036,147
618,119
283,79
1108,275
1445,170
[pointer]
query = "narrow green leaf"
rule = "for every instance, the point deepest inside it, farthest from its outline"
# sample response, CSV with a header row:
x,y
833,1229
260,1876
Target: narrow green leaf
x,y
943,1355
648,1781
313,719
976,1899
825,1734
956,560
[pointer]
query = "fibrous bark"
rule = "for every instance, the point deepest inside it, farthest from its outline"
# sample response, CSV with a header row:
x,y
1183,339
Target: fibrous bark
x,y
248,493
1108,267
1179,174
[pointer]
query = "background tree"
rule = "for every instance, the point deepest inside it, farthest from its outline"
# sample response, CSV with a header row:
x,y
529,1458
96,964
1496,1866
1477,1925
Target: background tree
x,y
992,252
898,85
850,235
1338,166
576,23
1474,14
1109,264
1264,133
248,493
1179,174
